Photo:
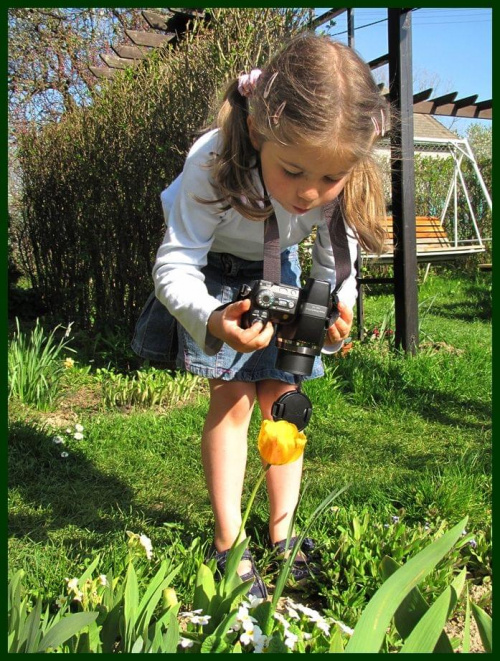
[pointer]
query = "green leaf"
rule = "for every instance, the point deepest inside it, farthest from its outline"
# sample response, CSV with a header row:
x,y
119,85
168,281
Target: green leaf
x,y
131,600
484,625
32,628
217,642
466,635
233,560
370,630
411,609
171,638
229,602
110,631
425,635
336,641
277,646
88,572
137,646
204,590
65,629
152,596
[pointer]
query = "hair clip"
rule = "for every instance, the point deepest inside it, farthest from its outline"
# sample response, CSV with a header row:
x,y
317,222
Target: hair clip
x,y
269,84
379,130
276,117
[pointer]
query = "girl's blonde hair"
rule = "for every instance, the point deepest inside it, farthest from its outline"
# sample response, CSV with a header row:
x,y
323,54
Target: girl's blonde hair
x,y
316,92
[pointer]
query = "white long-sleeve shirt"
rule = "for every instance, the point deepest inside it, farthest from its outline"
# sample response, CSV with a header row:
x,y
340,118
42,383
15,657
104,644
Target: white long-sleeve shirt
x,y
194,229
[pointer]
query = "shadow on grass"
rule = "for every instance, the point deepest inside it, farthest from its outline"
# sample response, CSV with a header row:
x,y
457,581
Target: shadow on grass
x,y
390,386
477,306
69,492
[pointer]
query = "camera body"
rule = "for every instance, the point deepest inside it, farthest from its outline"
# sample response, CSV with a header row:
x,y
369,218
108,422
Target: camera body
x,y
302,316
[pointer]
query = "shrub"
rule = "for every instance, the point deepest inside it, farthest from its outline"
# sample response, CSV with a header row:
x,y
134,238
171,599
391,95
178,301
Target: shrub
x,y
92,218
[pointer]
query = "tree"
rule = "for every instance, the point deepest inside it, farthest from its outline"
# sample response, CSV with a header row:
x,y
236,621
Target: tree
x,y
50,50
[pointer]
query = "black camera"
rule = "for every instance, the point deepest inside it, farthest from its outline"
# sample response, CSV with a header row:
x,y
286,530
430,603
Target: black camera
x,y
302,316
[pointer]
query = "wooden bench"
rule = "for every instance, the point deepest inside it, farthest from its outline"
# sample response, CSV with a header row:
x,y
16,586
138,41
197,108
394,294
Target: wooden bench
x,y
432,240
431,235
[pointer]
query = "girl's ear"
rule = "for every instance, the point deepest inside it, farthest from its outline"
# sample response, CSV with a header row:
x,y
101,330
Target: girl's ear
x,y
253,134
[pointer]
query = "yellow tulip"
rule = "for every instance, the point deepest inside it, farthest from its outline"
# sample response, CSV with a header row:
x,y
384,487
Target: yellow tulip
x,y
280,442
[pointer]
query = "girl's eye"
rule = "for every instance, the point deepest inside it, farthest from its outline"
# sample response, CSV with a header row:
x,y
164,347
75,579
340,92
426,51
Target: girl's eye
x,y
292,174
330,180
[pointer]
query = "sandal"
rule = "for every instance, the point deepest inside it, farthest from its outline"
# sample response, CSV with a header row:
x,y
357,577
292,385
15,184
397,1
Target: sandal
x,y
258,589
301,568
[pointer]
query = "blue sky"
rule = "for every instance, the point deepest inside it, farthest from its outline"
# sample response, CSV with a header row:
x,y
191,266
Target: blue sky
x,y
452,49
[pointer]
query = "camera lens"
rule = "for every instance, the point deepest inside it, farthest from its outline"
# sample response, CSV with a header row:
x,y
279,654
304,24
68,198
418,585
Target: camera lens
x,y
296,363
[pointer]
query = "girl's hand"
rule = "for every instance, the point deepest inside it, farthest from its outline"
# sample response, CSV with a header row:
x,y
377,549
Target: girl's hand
x,y
225,324
341,329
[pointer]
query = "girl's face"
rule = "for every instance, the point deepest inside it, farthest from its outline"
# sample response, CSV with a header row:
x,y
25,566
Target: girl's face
x,y
303,178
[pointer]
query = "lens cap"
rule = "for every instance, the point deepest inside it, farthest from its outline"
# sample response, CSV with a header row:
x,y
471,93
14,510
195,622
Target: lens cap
x,y
293,407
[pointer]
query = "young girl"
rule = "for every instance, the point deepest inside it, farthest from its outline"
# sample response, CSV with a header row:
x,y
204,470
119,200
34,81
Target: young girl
x,y
288,139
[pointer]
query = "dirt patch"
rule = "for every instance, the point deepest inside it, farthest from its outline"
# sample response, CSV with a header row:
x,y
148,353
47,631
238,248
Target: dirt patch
x,y
479,594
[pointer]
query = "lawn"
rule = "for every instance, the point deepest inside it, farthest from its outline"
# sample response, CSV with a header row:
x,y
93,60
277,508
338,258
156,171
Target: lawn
x,y
410,437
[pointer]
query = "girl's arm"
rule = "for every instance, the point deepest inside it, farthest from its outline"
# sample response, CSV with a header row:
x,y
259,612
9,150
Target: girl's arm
x,y
178,279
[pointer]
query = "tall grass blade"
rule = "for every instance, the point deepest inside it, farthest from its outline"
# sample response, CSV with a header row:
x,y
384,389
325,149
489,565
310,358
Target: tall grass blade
x,y
370,630
65,629
131,602
425,635
411,610
466,634
484,625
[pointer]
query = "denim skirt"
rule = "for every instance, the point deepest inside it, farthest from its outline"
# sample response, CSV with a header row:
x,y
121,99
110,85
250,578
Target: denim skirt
x,y
161,339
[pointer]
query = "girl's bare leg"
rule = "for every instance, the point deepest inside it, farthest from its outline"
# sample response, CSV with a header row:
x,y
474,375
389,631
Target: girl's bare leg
x,y
283,482
224,455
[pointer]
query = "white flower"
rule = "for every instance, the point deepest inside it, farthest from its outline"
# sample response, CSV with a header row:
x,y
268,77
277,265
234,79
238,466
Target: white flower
x,y
72,587
292,613
68,430
64,455
323,626
290,639
344,627
146,544
195,616
200,619
78,436
254,601
241,617
72,584
103,580
280,618
57,440
185,642
260,643
61,601
79,428
252,634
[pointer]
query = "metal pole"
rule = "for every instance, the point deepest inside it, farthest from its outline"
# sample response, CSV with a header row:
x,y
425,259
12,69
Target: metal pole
x,y
403,180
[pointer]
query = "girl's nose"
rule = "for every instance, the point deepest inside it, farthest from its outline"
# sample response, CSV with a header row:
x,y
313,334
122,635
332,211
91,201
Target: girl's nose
x,y
309,194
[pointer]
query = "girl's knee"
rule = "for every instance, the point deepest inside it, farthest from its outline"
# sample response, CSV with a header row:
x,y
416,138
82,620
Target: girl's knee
x,y
268,392
232,399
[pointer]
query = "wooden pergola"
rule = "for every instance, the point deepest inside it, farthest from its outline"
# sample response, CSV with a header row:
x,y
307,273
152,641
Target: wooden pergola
x,y
401,97
168,27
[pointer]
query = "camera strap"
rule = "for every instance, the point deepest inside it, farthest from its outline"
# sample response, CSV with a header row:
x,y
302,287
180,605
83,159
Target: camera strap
x,y
338,239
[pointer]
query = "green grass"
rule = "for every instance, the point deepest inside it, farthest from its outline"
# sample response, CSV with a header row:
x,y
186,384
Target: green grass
x,y
411,435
